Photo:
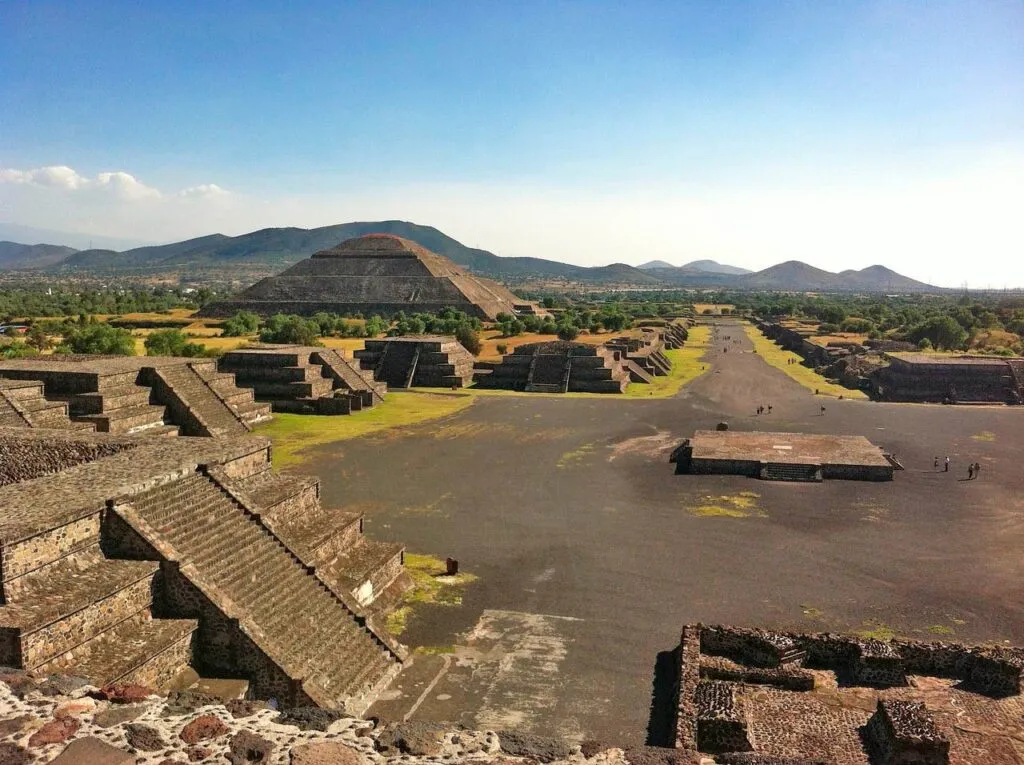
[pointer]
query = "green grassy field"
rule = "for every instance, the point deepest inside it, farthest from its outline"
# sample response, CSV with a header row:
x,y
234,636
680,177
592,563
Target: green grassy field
x,y
687,366
779,359
294,433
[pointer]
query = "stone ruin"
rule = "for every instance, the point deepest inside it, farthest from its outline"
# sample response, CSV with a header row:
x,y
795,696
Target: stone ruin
x,y
556,367
643,355
762,697
138,560
919,377
783,456
372,274
674,333
126,395
304,379
420,361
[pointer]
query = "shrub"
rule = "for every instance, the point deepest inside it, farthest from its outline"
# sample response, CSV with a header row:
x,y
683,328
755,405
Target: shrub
x,y
291,330
172,342
98,338
241,324
468,338
502,348
568,332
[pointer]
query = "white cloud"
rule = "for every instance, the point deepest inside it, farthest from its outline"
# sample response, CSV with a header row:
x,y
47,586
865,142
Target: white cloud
x,y
118,184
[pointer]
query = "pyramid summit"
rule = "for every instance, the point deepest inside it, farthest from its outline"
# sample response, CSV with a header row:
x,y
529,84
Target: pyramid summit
x,y
374,273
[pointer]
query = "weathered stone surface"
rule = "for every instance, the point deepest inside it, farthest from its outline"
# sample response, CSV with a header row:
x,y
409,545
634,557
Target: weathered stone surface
x,y
65,685
115,715
75,708
144,737
309,718
125,693
55,732
540,748
92,751
653,755
199,753
244,707
325,754
19,682
17,725
416,738
202,728
12,754
186,702
590,747
248,747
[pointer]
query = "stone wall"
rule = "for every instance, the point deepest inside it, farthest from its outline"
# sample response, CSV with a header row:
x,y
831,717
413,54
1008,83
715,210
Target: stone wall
x,y
23,460
903,733
686,693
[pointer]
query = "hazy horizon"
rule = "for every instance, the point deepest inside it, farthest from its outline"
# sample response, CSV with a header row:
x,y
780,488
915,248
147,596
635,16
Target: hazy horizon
x,y
840,134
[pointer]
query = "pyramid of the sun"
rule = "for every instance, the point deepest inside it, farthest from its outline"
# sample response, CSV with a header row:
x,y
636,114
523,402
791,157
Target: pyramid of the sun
x,y
376,273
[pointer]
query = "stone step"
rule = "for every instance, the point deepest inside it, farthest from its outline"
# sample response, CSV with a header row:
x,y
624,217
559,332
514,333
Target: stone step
x,y
320,534
365,569
22,390
184,387
110,399
140,650
63,604
129,419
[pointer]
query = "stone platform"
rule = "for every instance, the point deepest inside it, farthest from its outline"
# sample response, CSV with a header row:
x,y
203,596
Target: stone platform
x,y
758,696
782,456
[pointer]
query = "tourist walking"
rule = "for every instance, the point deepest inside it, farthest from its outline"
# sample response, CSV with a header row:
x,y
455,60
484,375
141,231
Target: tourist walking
x,y
947,464
822,411
977,469
769,408
936,464
970,472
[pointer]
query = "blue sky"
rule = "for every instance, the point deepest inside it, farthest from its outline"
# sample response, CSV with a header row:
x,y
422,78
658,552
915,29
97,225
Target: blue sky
x,y
839,133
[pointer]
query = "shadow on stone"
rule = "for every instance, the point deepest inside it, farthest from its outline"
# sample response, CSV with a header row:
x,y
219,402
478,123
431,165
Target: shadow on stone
x,y
661,719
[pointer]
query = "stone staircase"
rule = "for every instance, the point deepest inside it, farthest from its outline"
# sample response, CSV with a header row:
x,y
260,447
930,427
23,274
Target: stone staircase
x,y
356,568
393,365
348,377
82,614
23,404
236,561
241,401
781,471
119,406
198,410
548,374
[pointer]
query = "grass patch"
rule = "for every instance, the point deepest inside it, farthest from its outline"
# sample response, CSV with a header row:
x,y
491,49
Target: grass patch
x,y
779,358
294,433
985,435
875,630
742,505
575,456
434,650
940,629
687,366
430,586
810,611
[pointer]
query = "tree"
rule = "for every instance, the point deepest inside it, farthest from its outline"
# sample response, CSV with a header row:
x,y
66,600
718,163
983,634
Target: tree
x,y
172,342
468,338
241,324
292,330
568,331
98,338
37,338
943,332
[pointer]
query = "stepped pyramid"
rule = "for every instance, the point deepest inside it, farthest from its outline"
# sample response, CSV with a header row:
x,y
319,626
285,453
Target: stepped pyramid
x,y
130,558
372,274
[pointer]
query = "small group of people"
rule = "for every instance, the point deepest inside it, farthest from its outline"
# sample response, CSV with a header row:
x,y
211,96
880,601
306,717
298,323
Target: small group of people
x,y
762,409
973,470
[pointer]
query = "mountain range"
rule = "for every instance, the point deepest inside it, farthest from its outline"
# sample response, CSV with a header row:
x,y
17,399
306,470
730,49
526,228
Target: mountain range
x,y
273,249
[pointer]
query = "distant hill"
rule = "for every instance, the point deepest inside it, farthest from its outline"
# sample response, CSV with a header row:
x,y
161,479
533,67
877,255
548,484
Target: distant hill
x,y
14,255
794,275
250,256
712,267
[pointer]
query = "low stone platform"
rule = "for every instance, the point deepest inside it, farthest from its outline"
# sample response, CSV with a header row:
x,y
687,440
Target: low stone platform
x,y
422,361
782,456
556,367
946,708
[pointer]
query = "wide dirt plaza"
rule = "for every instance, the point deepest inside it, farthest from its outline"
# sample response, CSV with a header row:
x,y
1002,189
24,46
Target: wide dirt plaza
x,y
591,552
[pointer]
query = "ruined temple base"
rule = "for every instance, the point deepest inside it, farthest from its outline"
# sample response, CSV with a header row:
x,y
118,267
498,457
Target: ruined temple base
x,y
782,456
